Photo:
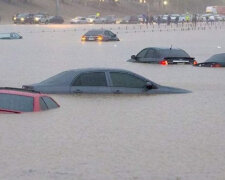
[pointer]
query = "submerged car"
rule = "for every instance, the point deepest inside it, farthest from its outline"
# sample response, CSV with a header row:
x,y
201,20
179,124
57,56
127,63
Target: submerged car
x,y
14,100
163,56
11,35
101,80
99,35
217,60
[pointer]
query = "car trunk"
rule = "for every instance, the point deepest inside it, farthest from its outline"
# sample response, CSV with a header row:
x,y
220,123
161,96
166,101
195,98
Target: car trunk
x,y
180,60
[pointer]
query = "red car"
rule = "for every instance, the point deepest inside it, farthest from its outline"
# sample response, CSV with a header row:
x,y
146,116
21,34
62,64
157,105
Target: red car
x,y
13,100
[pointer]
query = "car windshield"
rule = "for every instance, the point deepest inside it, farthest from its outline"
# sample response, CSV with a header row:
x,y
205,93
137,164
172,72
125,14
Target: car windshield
x,y
16,102
173,53
217,58
64,78
94,33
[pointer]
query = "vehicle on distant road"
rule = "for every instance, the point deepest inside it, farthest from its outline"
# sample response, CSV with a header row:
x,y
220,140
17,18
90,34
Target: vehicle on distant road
x,y
91,19
25,18
11,35
78,20
54,20
38,18
217,60
99,35
163,56
130,20
101,81
14,100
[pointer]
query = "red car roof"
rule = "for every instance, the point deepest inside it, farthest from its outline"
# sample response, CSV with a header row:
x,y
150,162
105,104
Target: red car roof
x,y
21,93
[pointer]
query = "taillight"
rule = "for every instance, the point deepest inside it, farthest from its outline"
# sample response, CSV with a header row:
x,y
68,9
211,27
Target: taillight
x,y
163,62
195,62
83,38
100,38
216,65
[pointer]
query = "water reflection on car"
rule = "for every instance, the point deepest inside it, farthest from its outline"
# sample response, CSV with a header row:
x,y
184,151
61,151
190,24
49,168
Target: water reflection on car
x,y
217,60
101,80
163,56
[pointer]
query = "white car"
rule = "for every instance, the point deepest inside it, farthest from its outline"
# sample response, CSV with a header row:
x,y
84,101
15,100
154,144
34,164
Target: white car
x,y
91,19
78,20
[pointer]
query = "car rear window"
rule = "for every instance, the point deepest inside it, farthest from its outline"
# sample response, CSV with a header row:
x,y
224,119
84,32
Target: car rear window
x,y
217,58
173,53
16,102
94,33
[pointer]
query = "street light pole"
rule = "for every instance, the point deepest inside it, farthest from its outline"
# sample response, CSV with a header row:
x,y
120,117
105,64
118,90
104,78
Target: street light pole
x,y
57,7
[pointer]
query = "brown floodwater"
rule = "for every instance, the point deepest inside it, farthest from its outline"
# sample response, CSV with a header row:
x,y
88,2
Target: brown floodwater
x,y
160,137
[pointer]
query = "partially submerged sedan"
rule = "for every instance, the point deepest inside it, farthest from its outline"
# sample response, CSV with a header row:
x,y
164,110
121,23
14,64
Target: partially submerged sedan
x,y
163,56
14,100
11,35
217,60
100,80
99,35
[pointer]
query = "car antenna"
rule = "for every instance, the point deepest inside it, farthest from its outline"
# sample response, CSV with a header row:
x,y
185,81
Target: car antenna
x,y
171,47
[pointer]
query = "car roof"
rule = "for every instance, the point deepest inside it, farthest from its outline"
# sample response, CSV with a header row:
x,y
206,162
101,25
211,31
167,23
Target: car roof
x,y
96,69
21,92
163,48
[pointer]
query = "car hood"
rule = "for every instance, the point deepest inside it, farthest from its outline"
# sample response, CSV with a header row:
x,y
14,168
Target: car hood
x,y
172,90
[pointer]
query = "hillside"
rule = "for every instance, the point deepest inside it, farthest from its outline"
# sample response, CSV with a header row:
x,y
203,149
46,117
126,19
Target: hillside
x,y
67,10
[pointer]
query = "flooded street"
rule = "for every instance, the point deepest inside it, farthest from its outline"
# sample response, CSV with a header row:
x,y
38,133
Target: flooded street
x,y
127,137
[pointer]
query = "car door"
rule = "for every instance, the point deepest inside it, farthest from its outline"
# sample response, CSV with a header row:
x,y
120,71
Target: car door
x,y
127,83
90,82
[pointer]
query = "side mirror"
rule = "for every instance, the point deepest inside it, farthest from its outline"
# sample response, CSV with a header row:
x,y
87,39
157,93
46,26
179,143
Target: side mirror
x,y
133,57
149,85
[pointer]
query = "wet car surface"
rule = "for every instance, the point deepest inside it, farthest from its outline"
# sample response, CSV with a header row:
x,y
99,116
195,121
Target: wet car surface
x,y
101,81
163,56
99,35
217,60
14,100
11,35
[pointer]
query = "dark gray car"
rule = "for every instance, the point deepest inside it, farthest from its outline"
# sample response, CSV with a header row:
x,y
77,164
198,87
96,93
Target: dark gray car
x,y
99,35
217,60
100,80
162,56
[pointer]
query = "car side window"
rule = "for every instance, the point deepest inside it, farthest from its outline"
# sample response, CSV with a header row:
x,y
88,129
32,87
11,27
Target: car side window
x,y
49,102
142,53
150,53
111,34
43,105
107,33
91,79
126,80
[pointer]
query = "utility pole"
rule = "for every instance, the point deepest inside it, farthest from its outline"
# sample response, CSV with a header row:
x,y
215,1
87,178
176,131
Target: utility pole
x,y
57,7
